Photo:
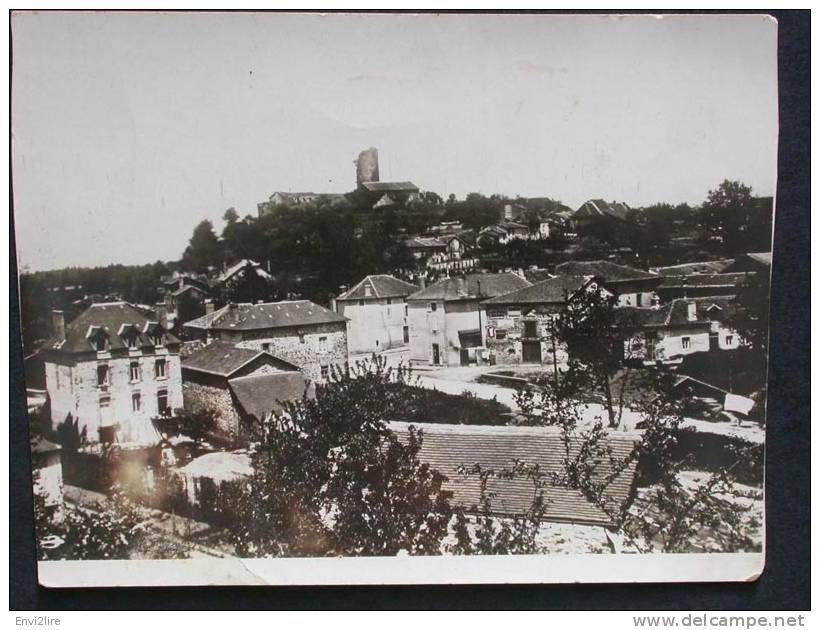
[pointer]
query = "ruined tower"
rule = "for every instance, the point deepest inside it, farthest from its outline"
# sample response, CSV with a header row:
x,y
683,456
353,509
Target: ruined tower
x,y
367,166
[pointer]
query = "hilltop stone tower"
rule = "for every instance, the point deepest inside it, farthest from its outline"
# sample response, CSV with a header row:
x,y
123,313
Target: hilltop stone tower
x,y
367,166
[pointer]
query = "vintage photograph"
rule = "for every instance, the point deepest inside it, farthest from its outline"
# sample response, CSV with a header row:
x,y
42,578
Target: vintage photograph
x,y
420,288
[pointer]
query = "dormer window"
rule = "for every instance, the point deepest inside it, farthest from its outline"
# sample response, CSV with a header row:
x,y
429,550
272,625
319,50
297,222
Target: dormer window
x,y
156,333
130,336
98,339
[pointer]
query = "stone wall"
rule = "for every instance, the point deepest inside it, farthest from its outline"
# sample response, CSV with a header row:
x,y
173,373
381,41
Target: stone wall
x,y
212,394
504,338
307,352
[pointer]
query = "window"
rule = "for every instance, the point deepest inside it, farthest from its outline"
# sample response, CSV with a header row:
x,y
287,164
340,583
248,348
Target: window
x,y
158,339
105,402
406,332
322,344
361,302
406,310
301,337
685,342
324,371
514,312
136,401
377,343
265,347
500,334
367,292
497,312
135,372
102,376
159,368
530,329
639,300
162,402
132,341
433,307
730,340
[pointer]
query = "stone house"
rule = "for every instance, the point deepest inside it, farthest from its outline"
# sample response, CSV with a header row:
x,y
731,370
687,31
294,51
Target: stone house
x,y
446,320
110,371
633,287
681,327
519,325
300,332
377,313
238,385
503,232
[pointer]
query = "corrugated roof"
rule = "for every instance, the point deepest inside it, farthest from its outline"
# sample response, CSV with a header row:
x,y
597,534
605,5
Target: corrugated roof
x,y
447,447
381,286
473,286
109,317
223,359
685,269
604,270
261,394
704,280
553,290
246,316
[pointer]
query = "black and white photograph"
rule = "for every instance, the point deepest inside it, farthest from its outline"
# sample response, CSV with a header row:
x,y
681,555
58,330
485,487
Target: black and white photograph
x,y
394,298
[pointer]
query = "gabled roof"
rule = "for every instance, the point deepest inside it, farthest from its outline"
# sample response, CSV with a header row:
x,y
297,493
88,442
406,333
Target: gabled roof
x,y
472,286
674,313
551,291
425,242
603,270
261,394
248,316
447,447
241,266
107,318
600,208
390,186
189,287
224,359
381,286
706,266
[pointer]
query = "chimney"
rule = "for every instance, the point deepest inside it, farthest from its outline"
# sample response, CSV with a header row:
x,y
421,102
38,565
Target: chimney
x,y
58,324
422,281
162,314
209,307
691,312
507,216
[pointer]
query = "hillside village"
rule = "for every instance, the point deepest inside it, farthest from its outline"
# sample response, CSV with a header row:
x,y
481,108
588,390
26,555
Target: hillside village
x,y
502,310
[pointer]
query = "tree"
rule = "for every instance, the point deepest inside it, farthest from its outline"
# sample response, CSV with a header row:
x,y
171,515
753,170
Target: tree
x,y
750,316
330,478
594,332
203,249
741,221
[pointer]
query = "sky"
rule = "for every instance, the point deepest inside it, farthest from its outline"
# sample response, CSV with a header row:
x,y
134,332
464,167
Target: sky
x,y
128,129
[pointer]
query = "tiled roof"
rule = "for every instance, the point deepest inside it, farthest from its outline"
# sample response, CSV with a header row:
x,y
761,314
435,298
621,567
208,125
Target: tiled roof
x,y
261,394
537,275
381,286
390,186
553,290
601,208
674,313
109,317
475,285
704,280
603,270
223,359
248,316
706,266
447,447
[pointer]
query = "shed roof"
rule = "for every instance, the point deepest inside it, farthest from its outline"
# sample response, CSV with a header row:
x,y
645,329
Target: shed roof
x,y
247,316
447,447
261,394
223,359
604,270
381,286
475,286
